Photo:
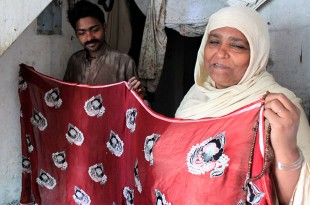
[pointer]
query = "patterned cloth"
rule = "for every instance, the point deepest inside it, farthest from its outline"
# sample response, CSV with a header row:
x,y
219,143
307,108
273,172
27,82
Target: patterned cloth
x,y
85,144
153,45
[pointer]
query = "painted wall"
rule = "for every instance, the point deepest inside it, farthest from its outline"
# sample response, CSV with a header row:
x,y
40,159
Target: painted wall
x,y
290,40
11,27
289,62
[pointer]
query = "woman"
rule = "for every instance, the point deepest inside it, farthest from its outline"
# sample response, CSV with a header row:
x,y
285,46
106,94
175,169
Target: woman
x,y
230,73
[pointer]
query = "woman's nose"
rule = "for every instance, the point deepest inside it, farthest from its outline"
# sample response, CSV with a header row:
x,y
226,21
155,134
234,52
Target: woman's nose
x,y
222,52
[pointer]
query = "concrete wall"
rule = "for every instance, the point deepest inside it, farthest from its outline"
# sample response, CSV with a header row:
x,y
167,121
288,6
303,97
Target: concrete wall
x,y
13,25
290,37
290,40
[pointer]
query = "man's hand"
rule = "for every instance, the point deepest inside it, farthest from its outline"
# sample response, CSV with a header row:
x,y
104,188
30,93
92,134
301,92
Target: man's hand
x,y
136,85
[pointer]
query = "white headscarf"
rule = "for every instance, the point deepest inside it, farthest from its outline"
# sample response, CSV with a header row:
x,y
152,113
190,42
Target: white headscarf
x,y
204,99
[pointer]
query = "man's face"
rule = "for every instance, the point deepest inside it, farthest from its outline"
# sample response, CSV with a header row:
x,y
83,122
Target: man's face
x,y
90,33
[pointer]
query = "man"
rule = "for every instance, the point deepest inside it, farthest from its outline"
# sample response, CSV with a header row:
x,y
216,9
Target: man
x,y
97,63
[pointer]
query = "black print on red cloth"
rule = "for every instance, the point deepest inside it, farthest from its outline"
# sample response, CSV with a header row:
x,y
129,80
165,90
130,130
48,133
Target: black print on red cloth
x,y
46,180
29,145
254,195
240,202
96,173
80,197
129,195
52,98
74,135
115,144
94,107
22,84
131,115
136,176
59,159
38,120
208,155
149,144
160,198
26,165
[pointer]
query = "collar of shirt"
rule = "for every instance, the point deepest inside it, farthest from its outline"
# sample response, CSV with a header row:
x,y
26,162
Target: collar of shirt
x,y
98,53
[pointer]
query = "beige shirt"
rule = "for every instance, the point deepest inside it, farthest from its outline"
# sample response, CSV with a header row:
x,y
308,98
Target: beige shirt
x,y
110,66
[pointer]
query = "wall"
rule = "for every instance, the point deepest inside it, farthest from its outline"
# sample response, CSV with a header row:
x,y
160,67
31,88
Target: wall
x,y
290,40
47,54
13,27
290,34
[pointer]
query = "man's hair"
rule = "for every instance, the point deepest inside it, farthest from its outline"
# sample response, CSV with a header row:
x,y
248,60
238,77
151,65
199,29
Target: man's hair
x,y
83,9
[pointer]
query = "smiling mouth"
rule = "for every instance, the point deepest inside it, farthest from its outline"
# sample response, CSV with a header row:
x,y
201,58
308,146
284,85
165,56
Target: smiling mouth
x,y
91,44
217,65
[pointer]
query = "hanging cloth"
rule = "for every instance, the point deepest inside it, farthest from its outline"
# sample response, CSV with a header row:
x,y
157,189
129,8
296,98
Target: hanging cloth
x,y
153,46
119,32
106,7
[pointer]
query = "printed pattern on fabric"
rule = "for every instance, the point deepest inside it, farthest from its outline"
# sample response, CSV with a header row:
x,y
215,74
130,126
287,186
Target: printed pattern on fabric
x,y
131,115
136,176
38,120
26,164
94,107
96,172
160,198
74,135
80,197
46,180
148,147
59,159
254,195
52,98
129,195
208,155
29,145
102,145
115,144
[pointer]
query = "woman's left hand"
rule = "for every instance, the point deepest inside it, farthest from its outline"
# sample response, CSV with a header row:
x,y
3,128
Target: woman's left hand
x,y
283,117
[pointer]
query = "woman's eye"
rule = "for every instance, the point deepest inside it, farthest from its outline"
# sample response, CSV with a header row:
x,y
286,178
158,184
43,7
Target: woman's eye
x,y
213,42
240,47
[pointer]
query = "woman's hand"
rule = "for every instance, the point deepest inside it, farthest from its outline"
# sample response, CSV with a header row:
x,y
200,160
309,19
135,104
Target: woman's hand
x,y
136,85
283,117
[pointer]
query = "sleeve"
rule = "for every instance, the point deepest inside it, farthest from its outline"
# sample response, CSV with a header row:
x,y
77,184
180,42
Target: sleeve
x,y
67,77
131,69
303,135
301,195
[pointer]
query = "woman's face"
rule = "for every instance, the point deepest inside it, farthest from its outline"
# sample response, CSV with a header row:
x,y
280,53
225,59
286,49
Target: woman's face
x,y
226,56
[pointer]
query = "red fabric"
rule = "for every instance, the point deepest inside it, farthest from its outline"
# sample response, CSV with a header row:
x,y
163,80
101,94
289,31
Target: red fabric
x,y
175,141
